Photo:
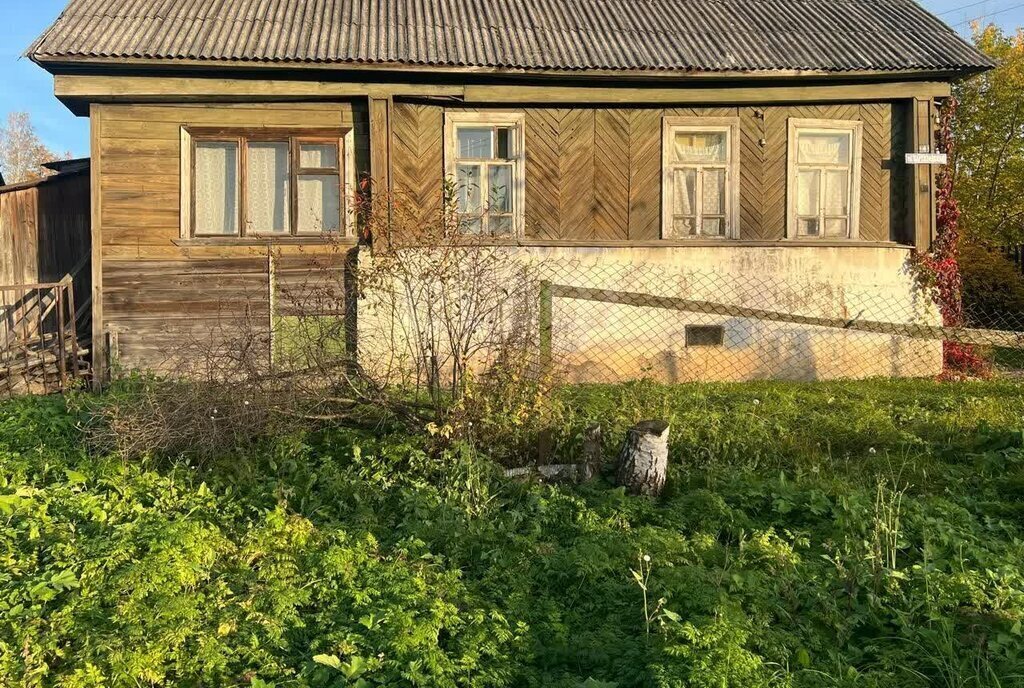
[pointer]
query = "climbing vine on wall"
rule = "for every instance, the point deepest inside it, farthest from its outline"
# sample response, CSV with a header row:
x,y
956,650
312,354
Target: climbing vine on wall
x,y
938,270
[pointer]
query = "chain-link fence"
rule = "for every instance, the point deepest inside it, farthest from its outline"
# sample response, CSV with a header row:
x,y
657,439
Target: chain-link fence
x,y
612,323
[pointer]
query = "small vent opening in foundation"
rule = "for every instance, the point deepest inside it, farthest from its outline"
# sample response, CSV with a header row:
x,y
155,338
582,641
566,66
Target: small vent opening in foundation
x,y
705,335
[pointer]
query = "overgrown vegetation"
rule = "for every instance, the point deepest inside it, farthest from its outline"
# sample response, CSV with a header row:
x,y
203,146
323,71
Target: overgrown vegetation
x,y
830,534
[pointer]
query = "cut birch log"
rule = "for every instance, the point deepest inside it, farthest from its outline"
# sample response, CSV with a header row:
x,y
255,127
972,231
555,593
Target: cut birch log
x,y
643,460
552,473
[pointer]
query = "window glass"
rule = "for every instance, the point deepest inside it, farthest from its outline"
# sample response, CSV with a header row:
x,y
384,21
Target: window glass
x,y
836,192
807,192
318,156
823,148
319,203
699,182
475,142
714,192
504,141
500,187
268,194
700,146
216,187
483,161
822,174
469,187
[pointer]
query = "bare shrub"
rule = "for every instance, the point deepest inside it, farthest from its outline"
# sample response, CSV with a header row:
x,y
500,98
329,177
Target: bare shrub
x,y
445,332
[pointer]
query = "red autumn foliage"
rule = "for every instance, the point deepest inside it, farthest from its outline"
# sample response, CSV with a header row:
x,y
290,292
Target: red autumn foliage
x,y
939,269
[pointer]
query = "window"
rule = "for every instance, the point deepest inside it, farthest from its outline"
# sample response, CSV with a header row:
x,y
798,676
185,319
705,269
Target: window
x,y
484,161
263,183
823,179
700,168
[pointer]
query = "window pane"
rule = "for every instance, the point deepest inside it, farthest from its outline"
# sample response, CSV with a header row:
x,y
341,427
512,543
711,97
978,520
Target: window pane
x,y
823,148
216,187
500,189
319,203
504,151
836,227
471,225
692,146
500,226
807,227
684,192
836,191
318,156
475,142
268,188
714,192
807,192
683,226
468,188
712,226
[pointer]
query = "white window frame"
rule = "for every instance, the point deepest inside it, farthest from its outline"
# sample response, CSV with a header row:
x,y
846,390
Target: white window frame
x,y
730,126
514,120
821,126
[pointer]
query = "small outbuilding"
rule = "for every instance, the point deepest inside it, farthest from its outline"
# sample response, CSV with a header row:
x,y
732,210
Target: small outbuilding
x,y
45,277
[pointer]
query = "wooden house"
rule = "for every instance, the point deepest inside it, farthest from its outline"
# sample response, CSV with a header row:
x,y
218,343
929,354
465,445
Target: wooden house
x,y
734,137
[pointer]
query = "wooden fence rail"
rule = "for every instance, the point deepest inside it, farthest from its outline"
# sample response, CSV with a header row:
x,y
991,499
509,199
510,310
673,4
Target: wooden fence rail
x,y
39,347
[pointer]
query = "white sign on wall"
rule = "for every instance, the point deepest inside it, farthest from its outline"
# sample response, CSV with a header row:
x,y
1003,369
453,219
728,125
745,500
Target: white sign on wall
x,y
926,158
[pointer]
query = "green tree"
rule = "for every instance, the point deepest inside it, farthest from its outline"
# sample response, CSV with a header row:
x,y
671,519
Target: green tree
x,y
989,156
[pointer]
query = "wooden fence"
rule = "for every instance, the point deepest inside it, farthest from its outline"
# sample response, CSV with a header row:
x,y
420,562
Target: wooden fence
x,y
40,351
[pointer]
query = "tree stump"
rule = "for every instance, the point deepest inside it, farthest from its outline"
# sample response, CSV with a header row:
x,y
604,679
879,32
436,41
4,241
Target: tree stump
x,y
593,449
643,460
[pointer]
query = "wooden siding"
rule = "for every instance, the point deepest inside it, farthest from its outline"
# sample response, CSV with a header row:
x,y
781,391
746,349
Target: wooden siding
x,y
159,296
163,310
44,230
593,174
44,234
139,161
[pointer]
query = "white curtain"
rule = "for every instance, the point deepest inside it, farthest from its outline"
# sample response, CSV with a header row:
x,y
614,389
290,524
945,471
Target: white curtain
x,y
216,187
268,188
319,203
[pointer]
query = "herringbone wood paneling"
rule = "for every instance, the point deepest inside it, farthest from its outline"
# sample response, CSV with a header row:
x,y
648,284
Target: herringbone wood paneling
x,y
576,172
611,174
644,174
874,183
773,183
417,161
752,163
595,173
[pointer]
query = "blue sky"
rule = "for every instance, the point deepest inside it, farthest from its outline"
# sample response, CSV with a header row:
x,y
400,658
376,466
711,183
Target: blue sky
x,y
24,86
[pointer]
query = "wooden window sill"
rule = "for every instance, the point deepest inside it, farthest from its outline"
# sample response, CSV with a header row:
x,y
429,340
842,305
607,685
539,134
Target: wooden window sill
x,y
312,240
688,243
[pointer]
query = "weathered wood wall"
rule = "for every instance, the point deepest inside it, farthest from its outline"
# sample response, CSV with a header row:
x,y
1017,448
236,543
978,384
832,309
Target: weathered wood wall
x,y
139,161
161,296
44,229
45,235
594,173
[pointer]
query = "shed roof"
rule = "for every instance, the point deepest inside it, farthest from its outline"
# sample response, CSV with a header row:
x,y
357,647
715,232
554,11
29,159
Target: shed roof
x,y
569,35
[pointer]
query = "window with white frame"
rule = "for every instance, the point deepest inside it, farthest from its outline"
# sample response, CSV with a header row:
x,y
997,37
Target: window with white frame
x,y
484,161
824,178
700,170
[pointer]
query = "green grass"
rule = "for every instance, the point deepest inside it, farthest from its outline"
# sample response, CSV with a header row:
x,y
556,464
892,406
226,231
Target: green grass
x,y
833,534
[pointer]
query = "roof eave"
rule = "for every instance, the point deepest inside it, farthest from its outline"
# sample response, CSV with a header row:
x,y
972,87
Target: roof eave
x,y
66,63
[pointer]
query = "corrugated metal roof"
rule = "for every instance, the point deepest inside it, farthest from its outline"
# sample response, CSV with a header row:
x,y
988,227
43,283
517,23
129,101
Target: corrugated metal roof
x,y
633,35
